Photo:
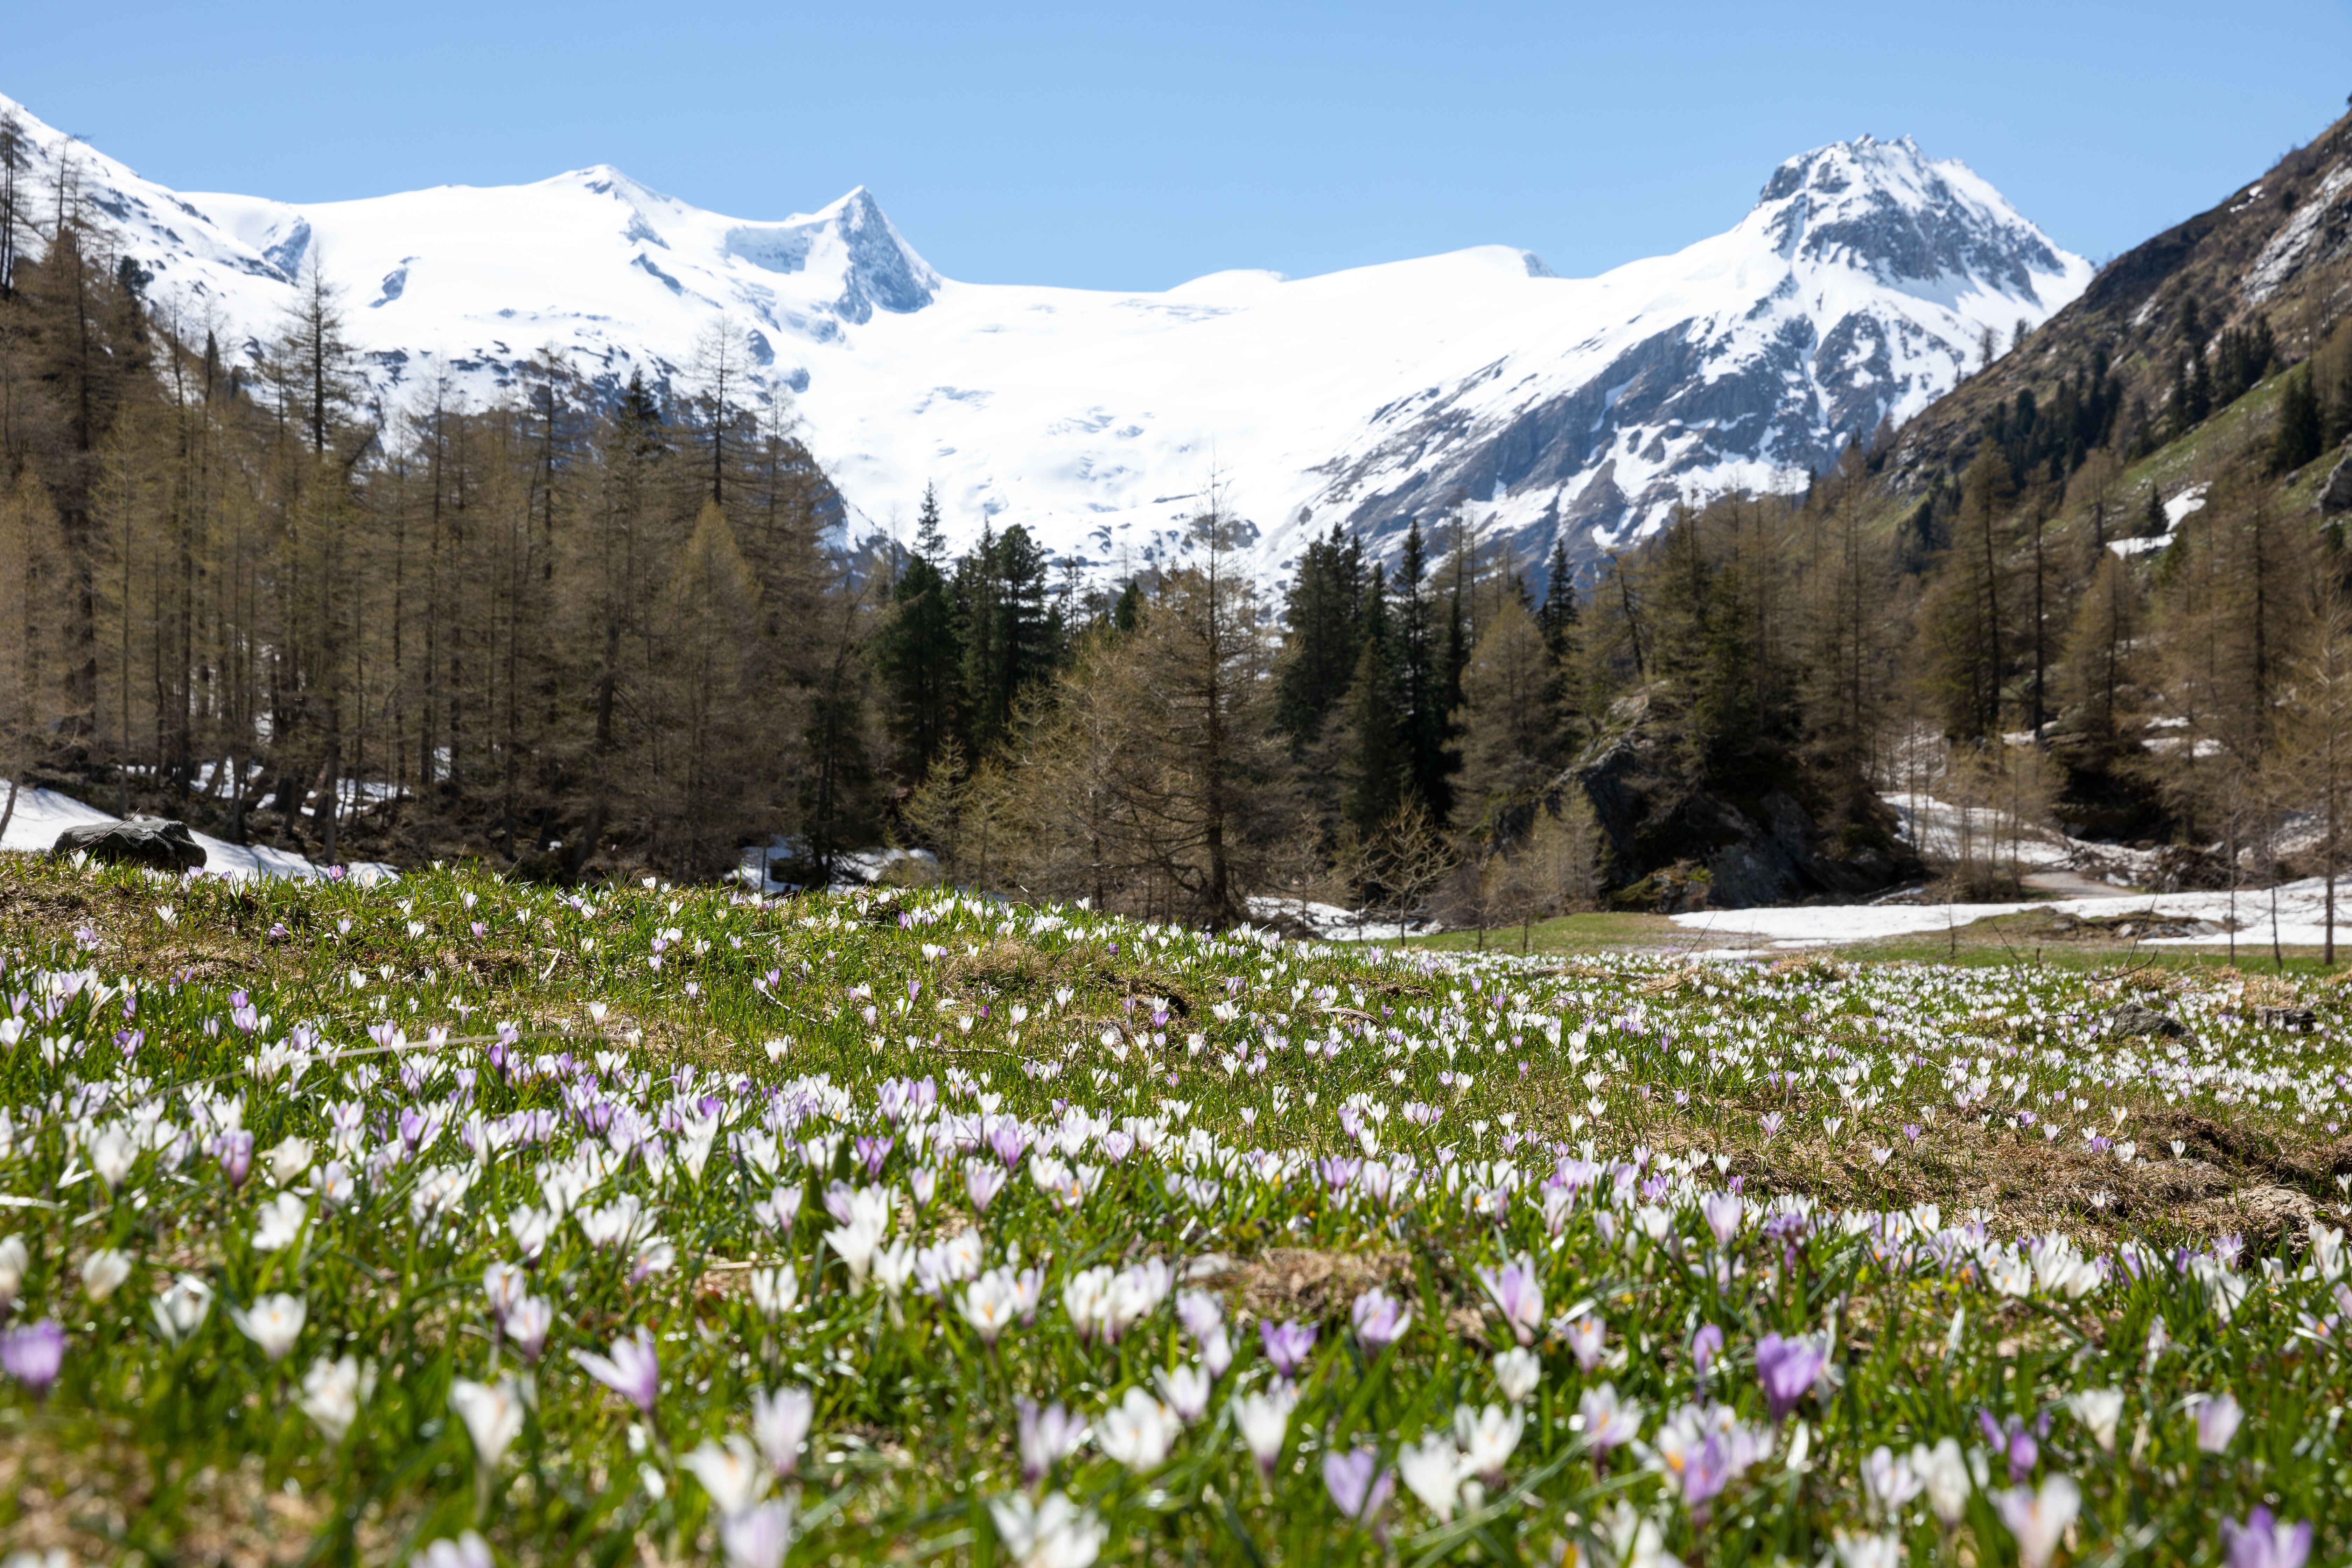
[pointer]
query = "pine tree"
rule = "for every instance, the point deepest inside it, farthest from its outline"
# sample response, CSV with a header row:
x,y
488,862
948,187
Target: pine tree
x,y
1557,616
2301,427
1424,682
1514,724
918,654
1322,618
1375,768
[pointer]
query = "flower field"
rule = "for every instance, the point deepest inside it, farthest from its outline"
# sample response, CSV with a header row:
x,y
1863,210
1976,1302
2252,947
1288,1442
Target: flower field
x,y
451,1221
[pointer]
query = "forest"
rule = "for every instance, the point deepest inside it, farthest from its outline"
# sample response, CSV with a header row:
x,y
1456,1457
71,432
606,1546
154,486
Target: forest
x,y
579,636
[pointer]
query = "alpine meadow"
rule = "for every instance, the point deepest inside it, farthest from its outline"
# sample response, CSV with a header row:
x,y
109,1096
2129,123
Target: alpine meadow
x,y
675,890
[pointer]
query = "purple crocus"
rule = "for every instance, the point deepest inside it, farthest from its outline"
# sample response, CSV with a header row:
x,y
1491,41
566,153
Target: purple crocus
x,y
33,1355
1517,1293
2017,1440
235,1151
2261,1542
1357,1484
1705,1345
1287,1344
632,1371
1788,1368
1380,1320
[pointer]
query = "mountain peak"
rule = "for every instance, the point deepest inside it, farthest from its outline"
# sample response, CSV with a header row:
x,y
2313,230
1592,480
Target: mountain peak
x,y
1888,209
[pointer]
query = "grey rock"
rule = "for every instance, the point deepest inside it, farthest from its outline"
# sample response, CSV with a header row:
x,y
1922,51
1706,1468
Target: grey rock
x,y
2335,495
2299,1020
2133,1019
157,842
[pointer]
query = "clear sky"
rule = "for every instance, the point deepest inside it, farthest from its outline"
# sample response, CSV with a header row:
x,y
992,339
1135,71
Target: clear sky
x,y
1135,146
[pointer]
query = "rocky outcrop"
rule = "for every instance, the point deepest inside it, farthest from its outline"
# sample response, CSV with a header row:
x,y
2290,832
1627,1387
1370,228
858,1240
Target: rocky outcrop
x,y
156,842
1676,843
2335,495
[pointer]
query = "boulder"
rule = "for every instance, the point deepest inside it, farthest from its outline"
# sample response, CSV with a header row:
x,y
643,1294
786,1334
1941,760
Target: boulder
x,y
156,842
2134,1019
2335,495
1673,842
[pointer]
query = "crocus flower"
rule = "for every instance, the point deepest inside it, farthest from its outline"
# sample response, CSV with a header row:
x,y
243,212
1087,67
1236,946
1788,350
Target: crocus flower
x,y
1187,1388
2038,1518
1788,1368
235,1151
632,1371
332,1392
273,1323
729,1471
2218,1416
1889,1481
2017,1440
758,1536
1517,1374
1946,1476
2261,1542
1517,1293
1705,1345
1052,1533
780,1425
2098,1409
1487,1437
1264,1423
34,1353
492,1413
527,1323
1586,1338
1138,1431
1380,1320
180,1307
1607,1423
1432,1471
103,1272
468,1551
1287,1344
1357,1484
1048,1436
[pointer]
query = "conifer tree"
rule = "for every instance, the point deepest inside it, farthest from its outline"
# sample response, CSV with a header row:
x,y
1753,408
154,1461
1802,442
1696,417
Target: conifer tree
x,y
917,653
2301,428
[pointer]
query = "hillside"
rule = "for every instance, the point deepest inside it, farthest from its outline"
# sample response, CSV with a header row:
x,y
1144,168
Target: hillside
x,y
2277,251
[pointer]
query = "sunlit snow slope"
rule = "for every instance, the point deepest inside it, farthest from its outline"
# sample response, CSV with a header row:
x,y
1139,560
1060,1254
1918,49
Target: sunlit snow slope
x,y
1858,287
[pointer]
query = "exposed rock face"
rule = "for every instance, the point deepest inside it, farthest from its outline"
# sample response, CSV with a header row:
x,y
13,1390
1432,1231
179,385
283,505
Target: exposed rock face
x,y
1673,843
156,842
2335,495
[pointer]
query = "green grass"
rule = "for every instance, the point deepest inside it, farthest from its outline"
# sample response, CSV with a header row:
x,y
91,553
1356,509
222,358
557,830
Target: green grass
x,y
1586,1124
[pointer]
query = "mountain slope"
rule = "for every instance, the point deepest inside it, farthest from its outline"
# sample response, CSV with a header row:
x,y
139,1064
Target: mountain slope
x,y
2277,251
1854,293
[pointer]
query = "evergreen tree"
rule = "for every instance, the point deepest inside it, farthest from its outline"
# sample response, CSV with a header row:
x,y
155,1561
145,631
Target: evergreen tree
x,y
1006,627
1126,611
1375,771
2302,426
1322,617
1556,616
1423,680
918,654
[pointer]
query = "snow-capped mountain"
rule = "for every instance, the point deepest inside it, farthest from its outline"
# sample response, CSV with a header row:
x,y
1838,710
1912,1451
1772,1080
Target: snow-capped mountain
x,y
1859,287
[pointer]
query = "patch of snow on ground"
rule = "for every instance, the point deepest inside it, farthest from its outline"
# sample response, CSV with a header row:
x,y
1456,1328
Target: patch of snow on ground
x,y
42,813
2301,917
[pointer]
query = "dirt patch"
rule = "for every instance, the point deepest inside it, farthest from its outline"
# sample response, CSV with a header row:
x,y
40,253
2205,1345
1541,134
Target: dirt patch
x,y
1301,1282
2269,1217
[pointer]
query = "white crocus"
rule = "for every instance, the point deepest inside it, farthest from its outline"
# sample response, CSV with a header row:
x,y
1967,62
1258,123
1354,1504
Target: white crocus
x,y
730,1471
1137,1431
492,1413
1518,1370
180,1307
103,1272
1487,1437
1432,1468
1946,1474
776,1291
274,1322
289,1160
279,1222
332,1393
2098,1409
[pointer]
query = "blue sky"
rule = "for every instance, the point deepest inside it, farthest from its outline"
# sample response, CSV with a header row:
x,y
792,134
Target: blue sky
x,y
1137,145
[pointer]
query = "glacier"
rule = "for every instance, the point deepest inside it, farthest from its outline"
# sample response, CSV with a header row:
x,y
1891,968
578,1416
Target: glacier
x,y
1469,390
